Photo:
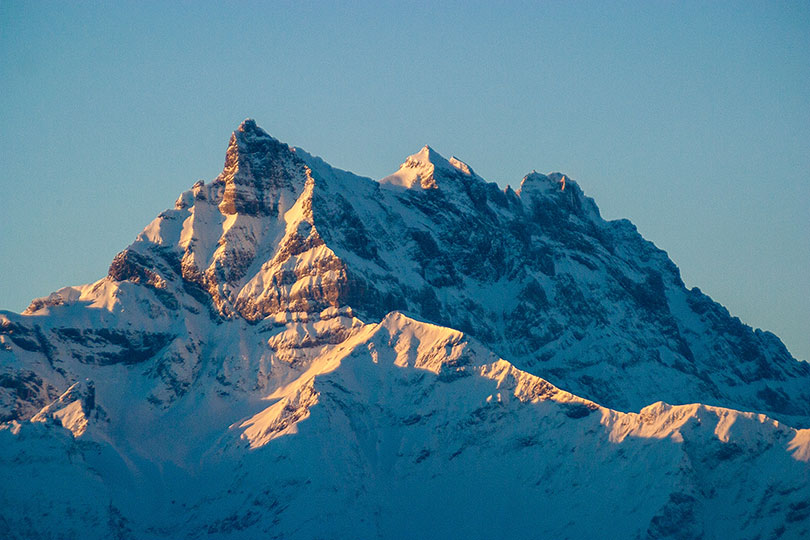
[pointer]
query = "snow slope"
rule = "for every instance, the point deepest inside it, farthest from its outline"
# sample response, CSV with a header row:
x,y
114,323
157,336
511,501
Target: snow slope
x,y
403,429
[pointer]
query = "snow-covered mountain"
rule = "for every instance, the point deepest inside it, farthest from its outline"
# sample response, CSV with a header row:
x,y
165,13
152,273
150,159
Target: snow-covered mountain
x,y
294,351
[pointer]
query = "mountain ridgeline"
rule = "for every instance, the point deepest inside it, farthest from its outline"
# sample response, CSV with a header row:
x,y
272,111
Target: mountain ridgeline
x,y
289,314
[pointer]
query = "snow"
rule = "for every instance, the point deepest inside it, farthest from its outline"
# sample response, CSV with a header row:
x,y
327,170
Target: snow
x,y
800,445
67,411
249,386
420,170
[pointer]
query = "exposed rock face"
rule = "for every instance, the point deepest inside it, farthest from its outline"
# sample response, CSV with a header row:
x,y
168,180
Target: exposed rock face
x,y
284,279
257,169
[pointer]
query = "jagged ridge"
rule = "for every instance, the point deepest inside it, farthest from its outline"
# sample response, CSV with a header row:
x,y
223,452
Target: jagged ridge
x,y
276,280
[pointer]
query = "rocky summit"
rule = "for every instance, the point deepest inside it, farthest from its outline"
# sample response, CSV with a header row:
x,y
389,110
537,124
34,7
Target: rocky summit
x,y
295,351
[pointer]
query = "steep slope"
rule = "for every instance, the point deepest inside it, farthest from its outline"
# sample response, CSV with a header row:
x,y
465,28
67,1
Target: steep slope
x,y
245,368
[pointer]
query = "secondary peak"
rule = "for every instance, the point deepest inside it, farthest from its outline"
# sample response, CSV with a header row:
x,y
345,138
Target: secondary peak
x,y
424,157
550,182
428,169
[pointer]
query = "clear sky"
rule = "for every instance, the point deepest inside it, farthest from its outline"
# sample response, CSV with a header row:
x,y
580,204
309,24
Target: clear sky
x,y
692,119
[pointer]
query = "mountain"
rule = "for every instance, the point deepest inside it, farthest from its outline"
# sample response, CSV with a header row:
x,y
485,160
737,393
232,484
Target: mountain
x,y
294,351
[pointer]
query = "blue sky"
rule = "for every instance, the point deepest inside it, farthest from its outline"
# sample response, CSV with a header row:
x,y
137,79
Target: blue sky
x,y
692,119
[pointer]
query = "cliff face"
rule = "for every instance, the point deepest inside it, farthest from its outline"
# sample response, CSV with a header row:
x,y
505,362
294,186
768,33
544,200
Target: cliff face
x,y
293,323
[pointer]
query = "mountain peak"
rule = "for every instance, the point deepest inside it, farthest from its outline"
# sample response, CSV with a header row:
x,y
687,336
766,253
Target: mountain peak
x,y
249,129
248,124
556,192
422,168
256,164
552,182
426,157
